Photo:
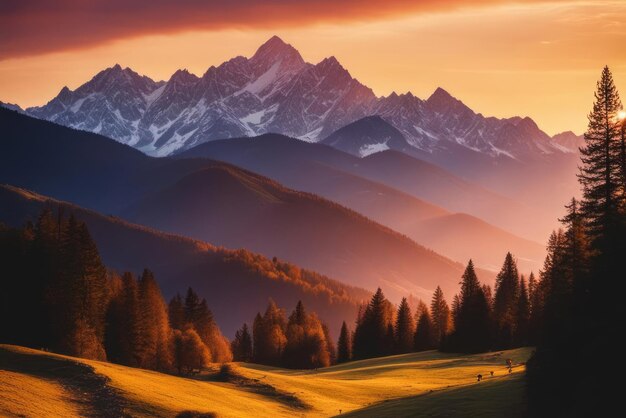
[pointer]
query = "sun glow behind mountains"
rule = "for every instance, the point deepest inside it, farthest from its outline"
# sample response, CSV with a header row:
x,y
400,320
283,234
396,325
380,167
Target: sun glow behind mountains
x,y
551,49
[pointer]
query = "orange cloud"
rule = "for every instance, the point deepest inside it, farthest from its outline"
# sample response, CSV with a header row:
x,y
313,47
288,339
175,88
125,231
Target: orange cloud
x,y
40,26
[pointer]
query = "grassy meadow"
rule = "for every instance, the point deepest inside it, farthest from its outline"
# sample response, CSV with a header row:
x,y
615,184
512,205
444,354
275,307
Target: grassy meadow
x,y
39,384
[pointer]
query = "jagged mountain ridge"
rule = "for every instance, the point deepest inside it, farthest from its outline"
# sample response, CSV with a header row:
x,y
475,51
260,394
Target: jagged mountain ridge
x,y
277,91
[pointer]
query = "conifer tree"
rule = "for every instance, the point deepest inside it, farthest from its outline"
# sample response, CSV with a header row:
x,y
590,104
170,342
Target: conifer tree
x,y
344,344
440,316
176,312
330,345
269,335
154,330
113,336
404,329
536,295
505,302
577,252
80,295
192,307
306,346
211,335
472,321
129,321
581,282
456,310
242,345
488,295
371,337
522,326
258,339
599,173
424,334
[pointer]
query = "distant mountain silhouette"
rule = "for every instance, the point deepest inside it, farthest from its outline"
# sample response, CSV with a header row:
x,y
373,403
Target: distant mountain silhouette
x,y
335,175
218,203
234,208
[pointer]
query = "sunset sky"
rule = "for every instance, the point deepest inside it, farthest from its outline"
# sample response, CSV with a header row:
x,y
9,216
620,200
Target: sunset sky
x,y
530,58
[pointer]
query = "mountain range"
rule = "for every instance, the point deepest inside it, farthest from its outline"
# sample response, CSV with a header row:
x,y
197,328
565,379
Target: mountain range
x,y
218,203
390,187
276,91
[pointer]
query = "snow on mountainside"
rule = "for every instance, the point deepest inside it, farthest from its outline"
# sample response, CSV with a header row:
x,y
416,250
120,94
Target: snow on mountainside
x,y
277,91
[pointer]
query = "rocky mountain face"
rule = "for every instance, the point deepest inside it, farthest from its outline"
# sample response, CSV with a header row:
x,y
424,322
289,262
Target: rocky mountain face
x,y
277,91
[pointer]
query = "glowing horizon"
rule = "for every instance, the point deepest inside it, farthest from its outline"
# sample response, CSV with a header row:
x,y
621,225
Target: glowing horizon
x,y
534,58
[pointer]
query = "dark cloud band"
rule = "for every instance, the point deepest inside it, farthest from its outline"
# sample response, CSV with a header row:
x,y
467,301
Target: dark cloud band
x,y
30,27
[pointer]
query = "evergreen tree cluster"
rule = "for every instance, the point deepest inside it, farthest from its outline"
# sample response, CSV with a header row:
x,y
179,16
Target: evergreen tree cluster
x,y
382,330
482,321
58,295
193,315
55,288
476,322
577,305
301,341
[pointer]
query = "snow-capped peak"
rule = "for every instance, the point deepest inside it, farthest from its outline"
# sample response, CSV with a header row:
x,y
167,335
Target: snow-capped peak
x,y
275,90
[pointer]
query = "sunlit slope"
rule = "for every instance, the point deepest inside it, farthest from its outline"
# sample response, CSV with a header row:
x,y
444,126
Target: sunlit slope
x,y
405,385
494,398
364,383
137,392
24,395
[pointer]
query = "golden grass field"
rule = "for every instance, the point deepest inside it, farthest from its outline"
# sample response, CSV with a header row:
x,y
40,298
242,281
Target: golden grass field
x,y
38,384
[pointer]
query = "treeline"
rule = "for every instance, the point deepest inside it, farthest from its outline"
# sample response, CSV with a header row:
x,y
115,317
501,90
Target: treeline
x,y
581,309
57,295
301,341
476,321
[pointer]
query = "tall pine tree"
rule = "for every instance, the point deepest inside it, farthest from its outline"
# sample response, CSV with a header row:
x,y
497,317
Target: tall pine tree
x,y
155,334
505,302
522,314
472,321
599,172
440,316
344,344
404,328
424,334
371,337
242,345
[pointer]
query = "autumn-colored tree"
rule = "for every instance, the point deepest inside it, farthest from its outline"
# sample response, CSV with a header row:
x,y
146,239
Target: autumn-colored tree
x,y
155,334
306,346
268,333
78,293
190,353
330,345
440,316
130,321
